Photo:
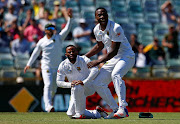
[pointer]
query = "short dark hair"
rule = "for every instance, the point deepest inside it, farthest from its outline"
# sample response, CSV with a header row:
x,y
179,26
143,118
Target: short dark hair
x,y
101,8
71,46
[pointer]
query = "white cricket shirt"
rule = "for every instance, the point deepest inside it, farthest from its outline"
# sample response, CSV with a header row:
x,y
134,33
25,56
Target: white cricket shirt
x,y
76,71
113,32
51,49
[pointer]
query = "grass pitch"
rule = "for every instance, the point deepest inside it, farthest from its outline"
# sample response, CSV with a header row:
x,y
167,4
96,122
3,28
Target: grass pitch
x,y
62,118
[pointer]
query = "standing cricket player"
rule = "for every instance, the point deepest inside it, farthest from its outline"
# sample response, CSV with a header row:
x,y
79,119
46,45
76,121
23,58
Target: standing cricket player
x,y
80,81
119,59
51,47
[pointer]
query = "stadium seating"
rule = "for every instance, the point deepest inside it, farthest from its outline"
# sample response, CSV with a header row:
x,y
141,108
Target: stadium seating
x,y
160,71
140,17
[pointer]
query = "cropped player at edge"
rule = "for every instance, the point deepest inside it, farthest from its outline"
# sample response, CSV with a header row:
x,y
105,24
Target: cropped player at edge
x,y
51,47
119,59
80,81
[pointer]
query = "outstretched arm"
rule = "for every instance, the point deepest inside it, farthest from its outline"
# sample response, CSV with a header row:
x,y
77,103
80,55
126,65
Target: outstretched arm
x,y
92,75
67,28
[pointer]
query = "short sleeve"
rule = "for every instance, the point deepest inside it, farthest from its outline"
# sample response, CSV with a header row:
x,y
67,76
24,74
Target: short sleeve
x,y
97,34
86,59
117,34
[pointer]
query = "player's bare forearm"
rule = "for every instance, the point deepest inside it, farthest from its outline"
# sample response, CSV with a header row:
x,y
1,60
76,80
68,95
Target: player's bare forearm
x,y
114,50
96,49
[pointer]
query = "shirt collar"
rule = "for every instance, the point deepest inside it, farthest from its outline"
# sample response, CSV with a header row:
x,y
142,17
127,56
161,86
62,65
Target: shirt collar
x,y
107,26
77,59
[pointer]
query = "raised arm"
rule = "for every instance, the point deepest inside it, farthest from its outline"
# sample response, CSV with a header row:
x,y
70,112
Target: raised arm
x,y
67,28
164,6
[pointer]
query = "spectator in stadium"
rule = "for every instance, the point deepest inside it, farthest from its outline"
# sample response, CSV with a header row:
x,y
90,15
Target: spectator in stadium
x,y
141,59
60,11
134,43
39,9
51,47
3,42
155,52
45,20
171,42
33,31
80,83
24,22
2,11
169,15
13,28
20,45
82,32
9,17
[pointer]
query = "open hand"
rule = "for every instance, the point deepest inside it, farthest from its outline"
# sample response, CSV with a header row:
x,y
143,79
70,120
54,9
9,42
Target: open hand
x,y
26,68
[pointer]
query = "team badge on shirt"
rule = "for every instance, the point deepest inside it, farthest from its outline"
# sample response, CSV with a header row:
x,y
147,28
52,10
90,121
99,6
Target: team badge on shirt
x,y
78,68
118,34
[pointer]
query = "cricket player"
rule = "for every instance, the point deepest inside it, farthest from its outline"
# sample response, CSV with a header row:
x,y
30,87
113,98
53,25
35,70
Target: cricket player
x,y
80,81
119,59
51,47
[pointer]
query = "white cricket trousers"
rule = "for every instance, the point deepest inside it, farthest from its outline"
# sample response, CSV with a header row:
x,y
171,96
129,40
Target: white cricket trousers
x,y
77,104
50,86
113,70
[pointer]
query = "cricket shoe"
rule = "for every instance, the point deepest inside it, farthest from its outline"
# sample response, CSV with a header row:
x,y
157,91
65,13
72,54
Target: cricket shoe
x,y
101,111
51,110
121,113
77,116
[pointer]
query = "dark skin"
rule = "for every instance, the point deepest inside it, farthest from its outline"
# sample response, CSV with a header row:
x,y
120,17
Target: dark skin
x,y
102,17
71,54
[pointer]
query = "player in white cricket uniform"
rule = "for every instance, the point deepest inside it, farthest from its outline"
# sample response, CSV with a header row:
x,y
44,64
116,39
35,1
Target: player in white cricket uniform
x,y
51,47
119,59
80,81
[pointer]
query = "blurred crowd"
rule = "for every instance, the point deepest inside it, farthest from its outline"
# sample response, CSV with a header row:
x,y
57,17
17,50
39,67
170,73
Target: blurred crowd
x,y
22,24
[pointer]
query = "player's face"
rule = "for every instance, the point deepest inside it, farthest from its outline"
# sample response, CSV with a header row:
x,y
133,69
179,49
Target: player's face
x,y
50,32
71,54
101,16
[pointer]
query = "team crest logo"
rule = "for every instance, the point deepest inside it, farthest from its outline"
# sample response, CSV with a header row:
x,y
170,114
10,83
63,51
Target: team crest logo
x,y
78,68
118,34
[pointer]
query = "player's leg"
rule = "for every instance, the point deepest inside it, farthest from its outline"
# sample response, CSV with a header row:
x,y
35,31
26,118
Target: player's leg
x,y
93,114
54,85
71,109
121,68
89,89
47,78
101,87
80,100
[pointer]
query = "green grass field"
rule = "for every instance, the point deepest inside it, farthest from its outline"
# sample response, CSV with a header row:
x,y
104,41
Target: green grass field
x,y
62,118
